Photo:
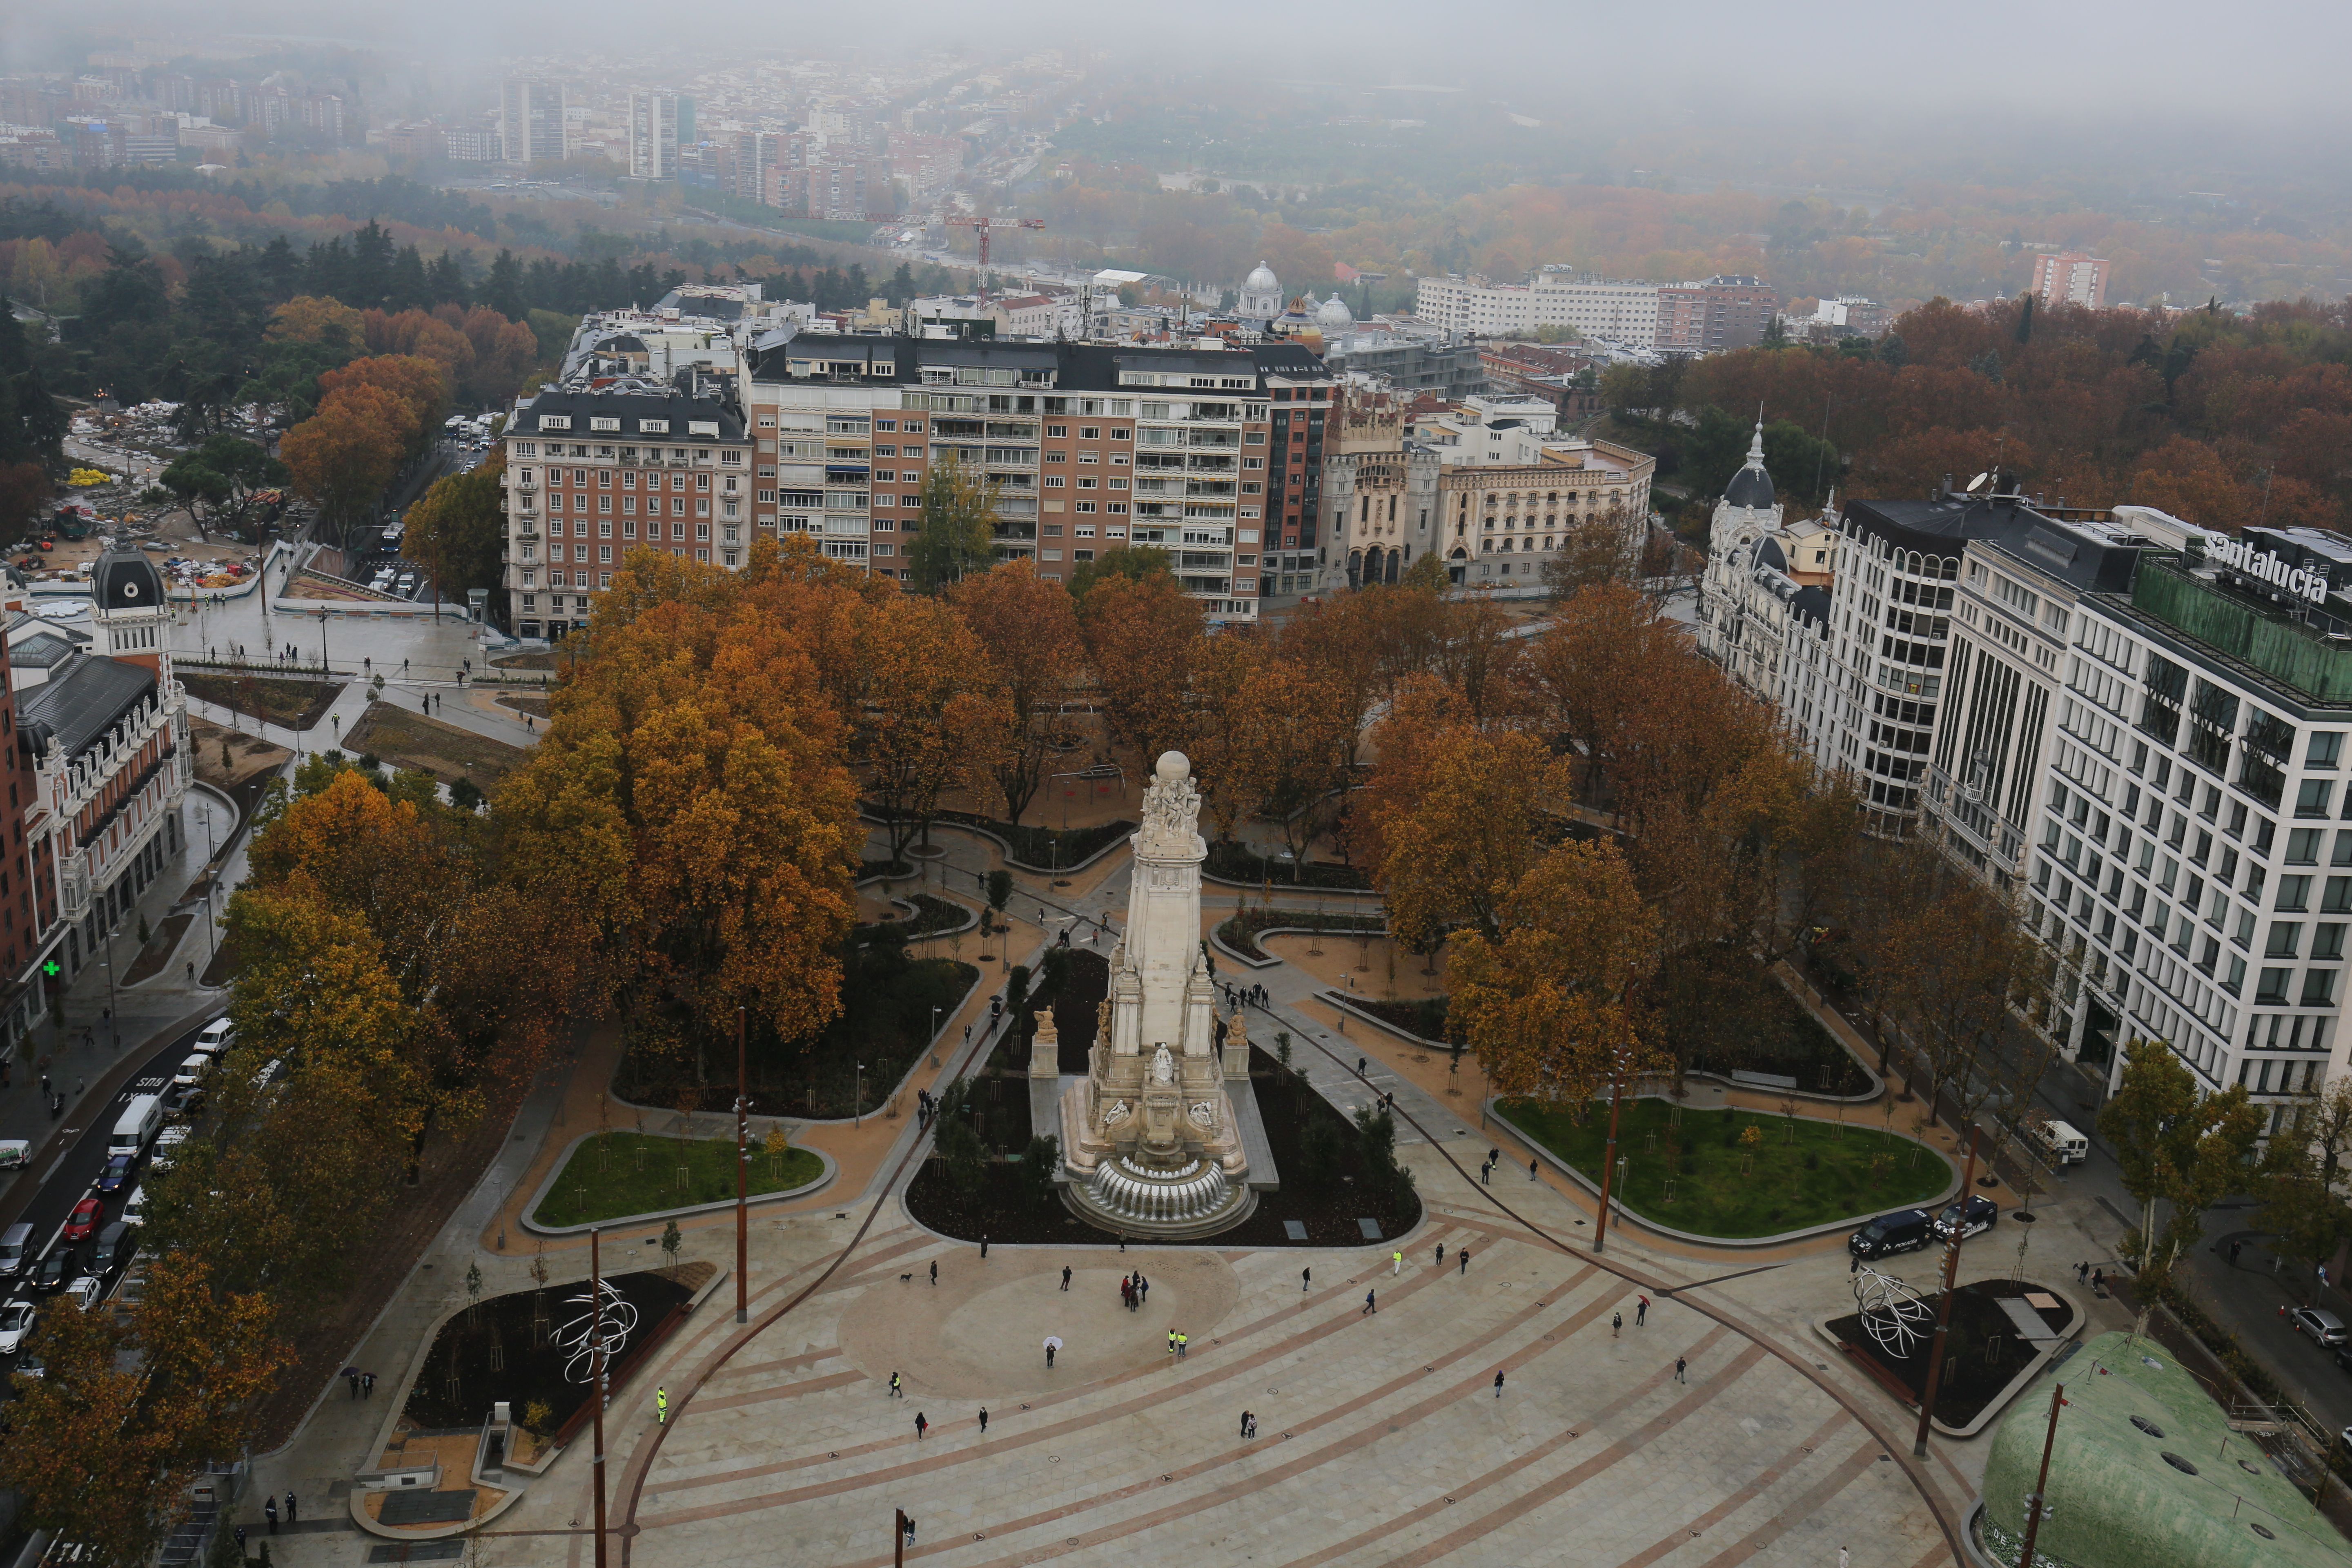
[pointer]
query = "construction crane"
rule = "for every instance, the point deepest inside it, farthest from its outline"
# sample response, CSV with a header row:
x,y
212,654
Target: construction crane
x,y
986,226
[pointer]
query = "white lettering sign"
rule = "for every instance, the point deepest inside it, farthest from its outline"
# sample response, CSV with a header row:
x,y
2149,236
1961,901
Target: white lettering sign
x,y
2269,567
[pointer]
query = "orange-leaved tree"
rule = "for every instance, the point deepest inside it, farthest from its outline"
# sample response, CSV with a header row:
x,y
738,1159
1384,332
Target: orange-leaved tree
x,y
1143,639
421,384
1029,630
929,715
1454,846
1556,1003
343,455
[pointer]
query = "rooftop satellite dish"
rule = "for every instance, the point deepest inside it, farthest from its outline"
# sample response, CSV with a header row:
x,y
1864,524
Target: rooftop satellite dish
x,y
1979,482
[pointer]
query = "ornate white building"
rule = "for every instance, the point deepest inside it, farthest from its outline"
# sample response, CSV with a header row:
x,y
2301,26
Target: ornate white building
x,y
1261,296
1765,599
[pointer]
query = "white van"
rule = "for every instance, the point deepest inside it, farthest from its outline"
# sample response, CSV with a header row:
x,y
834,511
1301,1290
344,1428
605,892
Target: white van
x,y
2061,1142
218,1037
135,1210
194,1071
137,1126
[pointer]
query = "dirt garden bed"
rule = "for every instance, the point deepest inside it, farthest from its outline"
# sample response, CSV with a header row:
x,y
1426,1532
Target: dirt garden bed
x,y
277,700
427,745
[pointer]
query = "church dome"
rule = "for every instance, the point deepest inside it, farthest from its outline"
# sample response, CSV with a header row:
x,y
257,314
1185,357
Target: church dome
x,y
1751,486
1261,278
126,580
1334,312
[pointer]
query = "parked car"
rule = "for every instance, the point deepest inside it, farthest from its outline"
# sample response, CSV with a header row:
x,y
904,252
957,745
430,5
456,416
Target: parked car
x,y
181,1101
16,1322
1905,1230
2325,1328
135,1209
167,1145
84,1219
1981,1212
84,1291
15,1247
194,1071
117,1174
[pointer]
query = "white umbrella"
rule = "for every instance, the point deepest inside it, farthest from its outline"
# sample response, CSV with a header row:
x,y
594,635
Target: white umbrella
x,y
1053,1342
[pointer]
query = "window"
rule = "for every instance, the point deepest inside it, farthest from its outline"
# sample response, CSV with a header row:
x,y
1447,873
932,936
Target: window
x,y
2167,688
2285,940
2213,719
2337,898
2313,797
2318,987
2294,893
2303,845
2268,743
2328,942
2271,989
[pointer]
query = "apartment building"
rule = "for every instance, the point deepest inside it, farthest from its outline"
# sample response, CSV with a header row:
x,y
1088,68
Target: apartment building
x,y
2070,277
1473,304
1213,455
533,124
594,472
1380,490
1615,312
1511,486
1764,600
1718,314
654,134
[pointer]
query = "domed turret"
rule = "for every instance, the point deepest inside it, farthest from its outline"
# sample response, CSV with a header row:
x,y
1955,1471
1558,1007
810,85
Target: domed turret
x,y
1260,298
128,604
1751,487
1334,312
1262,277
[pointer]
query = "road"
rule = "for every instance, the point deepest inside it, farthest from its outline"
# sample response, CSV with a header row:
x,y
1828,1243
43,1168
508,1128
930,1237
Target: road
x,y
71,1176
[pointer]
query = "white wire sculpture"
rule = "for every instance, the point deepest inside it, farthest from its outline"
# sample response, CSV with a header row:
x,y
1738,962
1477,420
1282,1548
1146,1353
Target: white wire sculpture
x,y
573,1338
1893,1313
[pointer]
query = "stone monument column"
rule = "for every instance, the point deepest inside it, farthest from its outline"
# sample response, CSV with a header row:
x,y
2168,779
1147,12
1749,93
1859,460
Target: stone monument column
x,y
1163,903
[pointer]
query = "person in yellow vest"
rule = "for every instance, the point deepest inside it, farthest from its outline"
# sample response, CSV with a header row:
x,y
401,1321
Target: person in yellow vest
x,y
661,1406
1183,1343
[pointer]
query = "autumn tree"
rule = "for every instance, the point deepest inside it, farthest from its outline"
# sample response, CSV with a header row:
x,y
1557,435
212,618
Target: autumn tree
x,y
2298,1179
1606,548
309,318
1288,756
421,386
957,537
222,474
690,804
343,455
1143,639
457,528
1457,846
1554,1001
1028,627
2175,1144
1131,561
103,1447
1957,968
929,716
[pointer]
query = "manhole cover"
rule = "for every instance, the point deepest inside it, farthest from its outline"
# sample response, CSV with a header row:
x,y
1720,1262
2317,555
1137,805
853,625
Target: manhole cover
x,y
2178,1463
2146,1425
2259,1529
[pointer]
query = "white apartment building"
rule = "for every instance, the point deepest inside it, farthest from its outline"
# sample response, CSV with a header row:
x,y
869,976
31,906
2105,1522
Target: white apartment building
x,y
1613,310
2136,727
653,135
1473,304
534,124
1764,600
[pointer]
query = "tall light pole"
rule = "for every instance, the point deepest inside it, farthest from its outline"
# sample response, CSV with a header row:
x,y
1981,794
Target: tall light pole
x,y
742,1179
858,1099
1609,1160
596,1381
2037,1505
1944,1308
322,643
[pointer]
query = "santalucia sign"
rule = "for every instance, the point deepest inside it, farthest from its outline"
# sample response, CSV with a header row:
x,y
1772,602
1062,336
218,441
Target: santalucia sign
x,y
2269,566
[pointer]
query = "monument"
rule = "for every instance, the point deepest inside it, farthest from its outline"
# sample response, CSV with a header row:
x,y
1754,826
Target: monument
x,y
1152,1142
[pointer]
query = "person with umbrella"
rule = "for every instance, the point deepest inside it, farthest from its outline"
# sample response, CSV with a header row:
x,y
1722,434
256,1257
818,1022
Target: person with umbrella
x,y
351,1374
1053,1343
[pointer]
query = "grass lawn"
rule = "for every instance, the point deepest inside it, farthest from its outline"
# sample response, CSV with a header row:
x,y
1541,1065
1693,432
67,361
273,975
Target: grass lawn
x,y
616,1173
273,699
1723,1187
408,740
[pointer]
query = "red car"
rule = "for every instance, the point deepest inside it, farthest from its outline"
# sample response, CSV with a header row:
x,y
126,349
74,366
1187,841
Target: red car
x,y
84,1219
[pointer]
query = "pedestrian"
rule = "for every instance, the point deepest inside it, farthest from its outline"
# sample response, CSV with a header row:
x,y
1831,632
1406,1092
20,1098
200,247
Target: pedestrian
x,y
1498,1386
1142,1287
291,1512
2081,1272
1531,1168
2236,1246
354,1376
1360,1066
241,1543
1050,1348
984,1252
1642,1312
191,980
367,1385
896,1391
922,1425
910,1527
983,1420
1441,1254
1463,1258
1245,1421
1305,1279
1487,1173
1396,1264
1172,1341
1679,1365
1183,1346
1372,1304
1065,1276
935,1273
1252,1425
967,1034
1845,1560
269,1512
2098,1281
661,1406
1616,1322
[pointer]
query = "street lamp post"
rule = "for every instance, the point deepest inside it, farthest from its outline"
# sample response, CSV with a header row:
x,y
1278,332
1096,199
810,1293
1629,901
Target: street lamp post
x,y
1609,1158
2035,1506
857,1098
742,1179
596,1381
1944,1308
935,1037
322,644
